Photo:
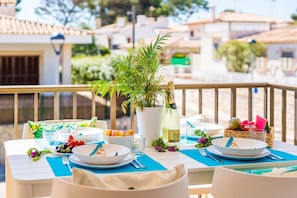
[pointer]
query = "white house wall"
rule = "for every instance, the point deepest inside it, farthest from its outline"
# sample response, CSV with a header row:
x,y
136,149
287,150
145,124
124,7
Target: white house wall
x,y
49,70
208,53
258,27
216,27
274,50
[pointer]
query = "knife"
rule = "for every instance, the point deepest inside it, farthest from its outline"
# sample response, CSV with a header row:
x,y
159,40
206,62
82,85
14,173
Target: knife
x,y
133,163
139,164
276,156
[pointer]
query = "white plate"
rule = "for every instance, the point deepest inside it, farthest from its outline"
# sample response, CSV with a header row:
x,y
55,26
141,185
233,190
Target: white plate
x,y
86,134
60,154
245,146
210,129
214,151
127,160
104,157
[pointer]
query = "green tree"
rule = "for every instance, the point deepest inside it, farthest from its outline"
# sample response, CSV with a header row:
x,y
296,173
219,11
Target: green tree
x,y
18,9
237,54
65,12
74,12
179,9
182,10
294,16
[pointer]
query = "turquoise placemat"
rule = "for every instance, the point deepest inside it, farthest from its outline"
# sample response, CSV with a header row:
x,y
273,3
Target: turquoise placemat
x,y
194,154
60,169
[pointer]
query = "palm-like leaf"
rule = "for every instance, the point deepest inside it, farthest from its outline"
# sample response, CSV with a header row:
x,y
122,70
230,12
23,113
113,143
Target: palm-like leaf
x,y
137,76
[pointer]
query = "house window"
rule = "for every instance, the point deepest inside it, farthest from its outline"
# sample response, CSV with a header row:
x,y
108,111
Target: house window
x,y
192,33
287,54
19,70
287,59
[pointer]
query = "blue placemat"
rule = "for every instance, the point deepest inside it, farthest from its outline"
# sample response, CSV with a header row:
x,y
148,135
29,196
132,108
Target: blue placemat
x,y
194,154
60,169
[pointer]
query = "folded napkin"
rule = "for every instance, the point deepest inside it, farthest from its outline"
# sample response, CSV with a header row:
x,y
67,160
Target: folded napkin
x,y
128,180
282,170
275,171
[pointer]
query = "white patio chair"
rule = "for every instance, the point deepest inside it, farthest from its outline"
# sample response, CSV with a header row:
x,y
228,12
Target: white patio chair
x,y
177,188
27,132
228,183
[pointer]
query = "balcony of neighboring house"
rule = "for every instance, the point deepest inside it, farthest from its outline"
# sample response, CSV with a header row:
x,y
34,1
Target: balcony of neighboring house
x,y
284,66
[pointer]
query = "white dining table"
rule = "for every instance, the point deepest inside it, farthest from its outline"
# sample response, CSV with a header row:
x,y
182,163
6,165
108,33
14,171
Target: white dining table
x,y
26,178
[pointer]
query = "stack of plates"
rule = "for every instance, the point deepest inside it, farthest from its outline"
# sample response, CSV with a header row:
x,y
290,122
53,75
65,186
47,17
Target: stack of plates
x,y
214,151
110,156
244,148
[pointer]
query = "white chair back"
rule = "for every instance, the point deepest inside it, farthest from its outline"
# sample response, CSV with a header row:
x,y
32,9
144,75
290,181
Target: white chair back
x,y
67,189
228,183
27,132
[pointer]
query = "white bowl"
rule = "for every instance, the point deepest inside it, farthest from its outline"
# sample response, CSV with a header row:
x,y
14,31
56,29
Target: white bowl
x,y
86,134
120,140
107,157
210,129
246,146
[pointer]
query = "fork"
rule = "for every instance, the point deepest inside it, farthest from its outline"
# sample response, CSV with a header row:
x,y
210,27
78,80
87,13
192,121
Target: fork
x,y
203,153
139,163
65,161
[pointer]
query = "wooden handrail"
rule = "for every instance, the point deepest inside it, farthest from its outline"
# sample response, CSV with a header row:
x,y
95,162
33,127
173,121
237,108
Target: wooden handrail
x,y
269,99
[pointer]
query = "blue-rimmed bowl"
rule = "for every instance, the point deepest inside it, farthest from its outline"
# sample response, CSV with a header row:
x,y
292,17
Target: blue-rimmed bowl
x,y
109,154
245,146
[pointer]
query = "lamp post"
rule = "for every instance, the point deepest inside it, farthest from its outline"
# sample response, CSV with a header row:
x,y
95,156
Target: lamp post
x,y
133,19
57,40
251,42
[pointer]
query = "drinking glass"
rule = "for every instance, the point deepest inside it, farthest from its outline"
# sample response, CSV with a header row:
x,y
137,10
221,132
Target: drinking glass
x,y
138,145
50,138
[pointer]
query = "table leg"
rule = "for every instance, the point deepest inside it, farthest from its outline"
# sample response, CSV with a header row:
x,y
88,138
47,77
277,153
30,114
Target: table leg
x,y
22,190
8,179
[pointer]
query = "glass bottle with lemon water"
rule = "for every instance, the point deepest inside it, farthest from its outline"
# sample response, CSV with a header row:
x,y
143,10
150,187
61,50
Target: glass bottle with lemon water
x,y
171,119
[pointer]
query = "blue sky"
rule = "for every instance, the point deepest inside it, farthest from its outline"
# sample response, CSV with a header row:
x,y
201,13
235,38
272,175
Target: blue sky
x,y
273,8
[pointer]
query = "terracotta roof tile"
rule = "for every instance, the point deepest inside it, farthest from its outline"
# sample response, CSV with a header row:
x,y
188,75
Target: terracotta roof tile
x,y
8,1
239,17
282,35
14,26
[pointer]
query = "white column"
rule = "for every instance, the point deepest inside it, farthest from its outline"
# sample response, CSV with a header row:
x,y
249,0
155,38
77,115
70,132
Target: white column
x,y
66,64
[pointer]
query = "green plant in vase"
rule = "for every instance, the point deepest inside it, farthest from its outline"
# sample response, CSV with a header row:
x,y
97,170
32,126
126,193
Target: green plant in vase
x,y
138,78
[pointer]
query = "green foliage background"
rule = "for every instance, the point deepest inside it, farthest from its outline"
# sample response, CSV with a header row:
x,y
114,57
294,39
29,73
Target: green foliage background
x,y
89,68
237,54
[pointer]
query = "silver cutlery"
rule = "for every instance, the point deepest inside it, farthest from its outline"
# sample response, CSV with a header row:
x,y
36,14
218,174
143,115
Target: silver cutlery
x,y
276,156
139,164
65,161
134,164
271,157
203,153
